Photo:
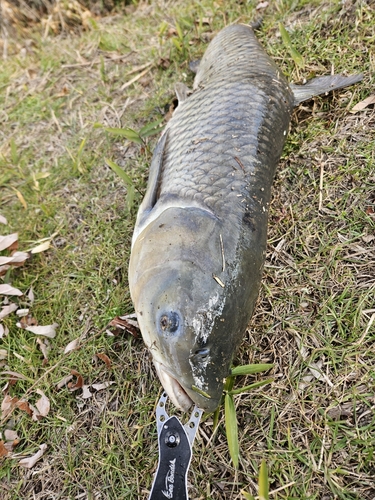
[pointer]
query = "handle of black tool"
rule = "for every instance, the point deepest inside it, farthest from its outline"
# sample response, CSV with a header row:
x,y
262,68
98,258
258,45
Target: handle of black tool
x,y
171,475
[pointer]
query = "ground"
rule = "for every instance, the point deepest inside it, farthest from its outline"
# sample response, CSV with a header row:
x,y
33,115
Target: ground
x,y
315,423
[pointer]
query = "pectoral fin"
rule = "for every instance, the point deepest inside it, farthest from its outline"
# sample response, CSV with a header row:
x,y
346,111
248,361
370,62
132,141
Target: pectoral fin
x,y
322,85
182,92
154,178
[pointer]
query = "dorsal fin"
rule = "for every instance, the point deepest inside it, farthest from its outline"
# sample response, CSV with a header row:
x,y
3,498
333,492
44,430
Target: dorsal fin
x,y
322,85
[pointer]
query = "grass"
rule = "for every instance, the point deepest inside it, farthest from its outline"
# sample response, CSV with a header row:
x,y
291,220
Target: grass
x,y
315,424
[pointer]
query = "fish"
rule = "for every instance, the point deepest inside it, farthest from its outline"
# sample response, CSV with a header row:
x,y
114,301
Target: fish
x,y
200,237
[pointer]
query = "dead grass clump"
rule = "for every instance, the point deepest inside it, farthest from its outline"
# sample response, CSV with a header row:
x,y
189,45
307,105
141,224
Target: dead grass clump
x,y
55,16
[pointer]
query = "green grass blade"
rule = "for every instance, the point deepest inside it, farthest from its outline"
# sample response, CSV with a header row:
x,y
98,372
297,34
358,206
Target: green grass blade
x,y
126,132
13,152
163,28
246,495
229,383
81,147
130,196
127,180
179,31
263,481
216,418
151,128
297,58
118,170
231,429
247,388
176,42
249,369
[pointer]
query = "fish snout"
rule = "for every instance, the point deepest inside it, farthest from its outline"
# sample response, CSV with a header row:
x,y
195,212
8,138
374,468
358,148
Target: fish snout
x,y
173,388
184,397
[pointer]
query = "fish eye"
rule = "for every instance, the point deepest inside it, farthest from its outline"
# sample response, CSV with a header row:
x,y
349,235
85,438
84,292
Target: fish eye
x,y
169,322
202,354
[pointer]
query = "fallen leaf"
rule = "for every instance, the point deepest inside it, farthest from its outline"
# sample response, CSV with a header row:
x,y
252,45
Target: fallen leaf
x,y
86,393
368,238
3,353
44,347
3,220
47,330
30,296
21,198
11,440
42,247
28,320
43,244
4,269
305,382
316,370
31,461
16,259
25,406
346,410
71,346
9,403
3,450
126,323
64,381
18,356
302,349
106,359
35,415
10,445
63,92
10,435
164,62
77,385
7,406
103,385
43,404
9,290
171,32
3,331
203,20
8,240
363,104
15,375
6,310
262,5
22,312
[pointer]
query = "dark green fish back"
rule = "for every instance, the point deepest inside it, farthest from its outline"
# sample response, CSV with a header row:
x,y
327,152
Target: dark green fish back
x,y
227,137
235,53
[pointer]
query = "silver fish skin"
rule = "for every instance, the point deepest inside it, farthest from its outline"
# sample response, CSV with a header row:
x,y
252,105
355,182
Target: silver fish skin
x,y
200,238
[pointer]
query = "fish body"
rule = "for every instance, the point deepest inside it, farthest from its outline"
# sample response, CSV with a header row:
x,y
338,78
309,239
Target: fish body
x,y
200,238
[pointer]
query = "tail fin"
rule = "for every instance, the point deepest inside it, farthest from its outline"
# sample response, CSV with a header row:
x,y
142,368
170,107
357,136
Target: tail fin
x,y
322,85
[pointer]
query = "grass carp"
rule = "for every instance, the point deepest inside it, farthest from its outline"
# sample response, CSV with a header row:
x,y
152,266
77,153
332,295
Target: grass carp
x,y
199,242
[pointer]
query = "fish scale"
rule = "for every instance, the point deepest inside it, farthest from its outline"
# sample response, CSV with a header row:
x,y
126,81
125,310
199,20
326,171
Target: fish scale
x,y
204,170
200,238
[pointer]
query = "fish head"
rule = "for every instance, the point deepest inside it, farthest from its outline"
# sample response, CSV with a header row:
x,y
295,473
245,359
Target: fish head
x,y
180,306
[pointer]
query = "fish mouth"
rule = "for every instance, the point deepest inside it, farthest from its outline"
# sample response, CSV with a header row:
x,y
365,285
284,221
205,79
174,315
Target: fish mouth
x,y
173,388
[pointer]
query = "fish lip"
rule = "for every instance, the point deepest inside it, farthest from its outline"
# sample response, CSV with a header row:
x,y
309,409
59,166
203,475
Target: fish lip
x,y
173,388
